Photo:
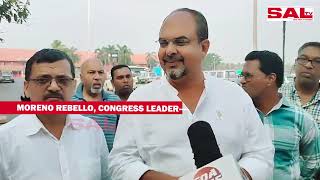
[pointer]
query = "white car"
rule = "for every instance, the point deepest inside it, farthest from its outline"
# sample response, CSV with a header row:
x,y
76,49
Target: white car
x,y
146,77
6,77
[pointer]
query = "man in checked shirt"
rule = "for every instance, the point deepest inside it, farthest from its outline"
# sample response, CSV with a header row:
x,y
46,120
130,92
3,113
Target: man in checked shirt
x,y
294,132
304,91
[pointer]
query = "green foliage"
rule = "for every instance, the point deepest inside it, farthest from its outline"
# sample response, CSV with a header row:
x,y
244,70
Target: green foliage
x,y
104,53
57,44
14,11
114,54
124,54
211,61
151,59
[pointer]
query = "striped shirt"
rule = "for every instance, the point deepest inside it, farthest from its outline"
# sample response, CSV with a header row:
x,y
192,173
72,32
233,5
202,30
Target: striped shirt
x,y
106,121
313,106
296,139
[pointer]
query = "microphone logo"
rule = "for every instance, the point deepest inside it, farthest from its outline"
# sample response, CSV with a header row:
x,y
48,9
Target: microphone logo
x,y
208,173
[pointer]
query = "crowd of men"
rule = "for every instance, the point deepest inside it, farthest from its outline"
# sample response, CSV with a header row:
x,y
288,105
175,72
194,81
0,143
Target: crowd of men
x,y
272,131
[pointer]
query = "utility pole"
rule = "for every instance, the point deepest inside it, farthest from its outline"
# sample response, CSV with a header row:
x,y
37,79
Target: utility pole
x,y
255,25
283,41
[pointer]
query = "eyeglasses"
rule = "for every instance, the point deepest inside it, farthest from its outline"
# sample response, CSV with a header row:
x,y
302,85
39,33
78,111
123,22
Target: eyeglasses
x,y
180,41
246,76
62,81
304,61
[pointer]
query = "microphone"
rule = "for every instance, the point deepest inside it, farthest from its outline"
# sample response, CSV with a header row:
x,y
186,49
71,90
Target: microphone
x,y
203,143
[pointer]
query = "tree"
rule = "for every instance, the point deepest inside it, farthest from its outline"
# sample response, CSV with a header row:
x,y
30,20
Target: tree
x,y
104,53
57,44
124,54
151,59
14,11
211,61
72,54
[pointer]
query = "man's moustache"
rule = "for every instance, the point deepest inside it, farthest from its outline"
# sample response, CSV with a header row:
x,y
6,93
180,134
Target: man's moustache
x,y
53,95
173,59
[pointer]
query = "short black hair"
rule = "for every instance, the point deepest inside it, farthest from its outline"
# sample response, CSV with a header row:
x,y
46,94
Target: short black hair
x,y
47,56
270,62
201,22
307,44
119,66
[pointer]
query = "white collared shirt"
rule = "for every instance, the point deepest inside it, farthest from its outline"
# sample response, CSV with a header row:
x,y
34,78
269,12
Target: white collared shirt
x,y
28,151
160,142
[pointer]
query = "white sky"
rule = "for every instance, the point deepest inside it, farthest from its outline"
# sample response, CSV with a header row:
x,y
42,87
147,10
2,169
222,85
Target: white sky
x,y
136,23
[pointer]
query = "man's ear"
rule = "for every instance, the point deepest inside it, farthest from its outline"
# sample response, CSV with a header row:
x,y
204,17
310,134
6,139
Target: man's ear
x,y
112,82
81,78
272,78
26,88
74,83
205,45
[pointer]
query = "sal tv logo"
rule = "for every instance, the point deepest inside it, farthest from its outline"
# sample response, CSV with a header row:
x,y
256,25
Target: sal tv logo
x,y
208,173
290,13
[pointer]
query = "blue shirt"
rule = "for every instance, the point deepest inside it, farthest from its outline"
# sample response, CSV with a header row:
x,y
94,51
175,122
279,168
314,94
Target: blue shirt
x,y
107,122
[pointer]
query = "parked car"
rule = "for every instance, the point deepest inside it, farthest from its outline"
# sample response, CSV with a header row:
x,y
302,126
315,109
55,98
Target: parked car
x,y
146,77
6,77
230,75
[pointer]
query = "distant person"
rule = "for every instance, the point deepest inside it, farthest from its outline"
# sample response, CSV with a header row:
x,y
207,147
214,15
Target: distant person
x,y
304,91
293,131
93,77
156,147
51,146
122,81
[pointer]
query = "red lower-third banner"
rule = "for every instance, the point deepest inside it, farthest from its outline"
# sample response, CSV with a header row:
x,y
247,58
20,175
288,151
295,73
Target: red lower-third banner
x,y
80,107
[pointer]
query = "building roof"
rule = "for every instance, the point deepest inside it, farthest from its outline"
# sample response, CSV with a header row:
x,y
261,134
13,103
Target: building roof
x,y
9,55
12,67
141,59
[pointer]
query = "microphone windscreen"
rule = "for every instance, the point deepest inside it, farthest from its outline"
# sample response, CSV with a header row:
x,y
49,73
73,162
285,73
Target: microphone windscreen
x,y
203,143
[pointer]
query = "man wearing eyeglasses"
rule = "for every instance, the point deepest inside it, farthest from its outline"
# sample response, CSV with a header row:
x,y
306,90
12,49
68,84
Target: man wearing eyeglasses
x,y
305,91
293,131
55,146
93,77
156,147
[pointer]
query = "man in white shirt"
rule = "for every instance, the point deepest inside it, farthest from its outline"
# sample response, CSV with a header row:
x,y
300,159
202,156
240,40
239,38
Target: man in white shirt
x,y
51,147
157,146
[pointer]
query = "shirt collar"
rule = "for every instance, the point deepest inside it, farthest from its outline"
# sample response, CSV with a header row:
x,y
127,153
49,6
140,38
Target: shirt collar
x,y
318,95
294,90
277,106
34,125
282,102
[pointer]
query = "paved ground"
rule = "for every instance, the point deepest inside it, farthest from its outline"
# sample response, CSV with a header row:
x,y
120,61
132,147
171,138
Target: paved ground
x,y
11,92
